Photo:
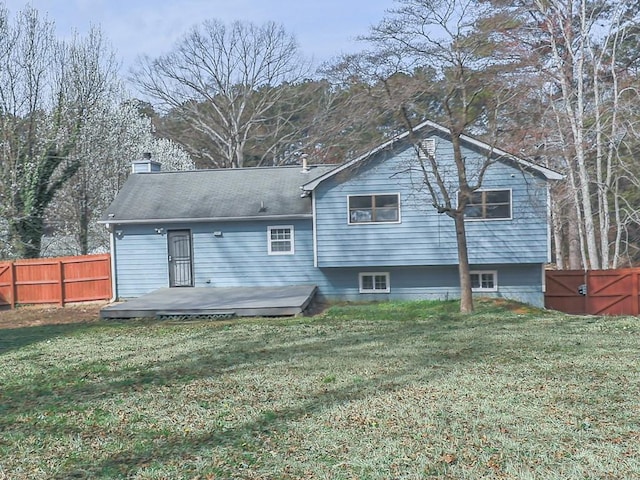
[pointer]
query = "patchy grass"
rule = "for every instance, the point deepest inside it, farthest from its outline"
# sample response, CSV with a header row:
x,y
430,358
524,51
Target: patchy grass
x,y
401,390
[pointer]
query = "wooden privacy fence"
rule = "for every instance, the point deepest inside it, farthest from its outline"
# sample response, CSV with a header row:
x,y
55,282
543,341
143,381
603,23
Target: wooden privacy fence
x,y
55,280
594,292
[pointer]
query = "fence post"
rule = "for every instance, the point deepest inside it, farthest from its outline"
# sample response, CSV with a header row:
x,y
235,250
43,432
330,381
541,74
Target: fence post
x,y
587,282
635,292
61,281
14,288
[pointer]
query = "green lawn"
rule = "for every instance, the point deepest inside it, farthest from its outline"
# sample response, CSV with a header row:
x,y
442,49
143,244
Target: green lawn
x,y
390,391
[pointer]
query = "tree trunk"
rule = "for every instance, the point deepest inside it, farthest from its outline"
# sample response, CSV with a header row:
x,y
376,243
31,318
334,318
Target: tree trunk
x,y
573,237
83,227
466,295
593,260
29,232
557,223
619,226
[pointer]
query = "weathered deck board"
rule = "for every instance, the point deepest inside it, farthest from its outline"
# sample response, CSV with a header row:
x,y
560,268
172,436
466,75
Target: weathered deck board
x,y
228,301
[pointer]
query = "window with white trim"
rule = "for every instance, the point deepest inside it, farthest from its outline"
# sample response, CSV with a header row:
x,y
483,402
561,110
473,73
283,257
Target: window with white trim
x,y
280,240
375,282
379,208
484,281
489,205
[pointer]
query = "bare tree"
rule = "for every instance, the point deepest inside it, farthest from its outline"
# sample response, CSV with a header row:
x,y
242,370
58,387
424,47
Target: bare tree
x,y
222,82
441,37
577,58
361,109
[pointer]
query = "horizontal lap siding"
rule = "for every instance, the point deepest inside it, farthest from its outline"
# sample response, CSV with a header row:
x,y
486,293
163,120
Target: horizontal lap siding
x,y
419,253
517,282
237,257
141,261
425,237
240,256
524,238
422,237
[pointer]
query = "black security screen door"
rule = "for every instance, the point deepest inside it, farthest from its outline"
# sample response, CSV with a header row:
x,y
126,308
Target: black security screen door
x,y
180,264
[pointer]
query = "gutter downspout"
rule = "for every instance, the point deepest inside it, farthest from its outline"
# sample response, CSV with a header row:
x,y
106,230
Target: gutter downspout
x,y
112,250
314,225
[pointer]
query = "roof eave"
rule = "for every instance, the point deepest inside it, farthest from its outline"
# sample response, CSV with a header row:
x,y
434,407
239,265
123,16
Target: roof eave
x,y
310,186
546,172
147,221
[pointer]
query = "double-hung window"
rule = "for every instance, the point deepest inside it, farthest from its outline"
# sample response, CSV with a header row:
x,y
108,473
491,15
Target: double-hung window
x,y
374,283
381,208
484,281
280,240
489,205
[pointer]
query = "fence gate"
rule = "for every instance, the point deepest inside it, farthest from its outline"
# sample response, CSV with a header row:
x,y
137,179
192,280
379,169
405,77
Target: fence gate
x,y
613,292
594,292
563,291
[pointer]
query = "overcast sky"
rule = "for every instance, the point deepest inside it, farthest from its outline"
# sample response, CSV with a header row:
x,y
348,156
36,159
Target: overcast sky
x,y
324,28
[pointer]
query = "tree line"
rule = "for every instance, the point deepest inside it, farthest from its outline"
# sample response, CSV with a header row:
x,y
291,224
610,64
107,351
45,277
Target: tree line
x,y
554,81
68,133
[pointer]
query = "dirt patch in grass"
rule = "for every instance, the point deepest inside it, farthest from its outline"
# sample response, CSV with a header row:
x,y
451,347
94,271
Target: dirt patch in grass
x,y
503,304
36,315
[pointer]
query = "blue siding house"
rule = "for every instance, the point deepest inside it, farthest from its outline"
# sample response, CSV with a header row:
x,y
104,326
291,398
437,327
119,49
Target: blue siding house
x,y
364,230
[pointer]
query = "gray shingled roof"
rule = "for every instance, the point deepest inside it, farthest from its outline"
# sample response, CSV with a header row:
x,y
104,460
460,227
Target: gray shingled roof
x,y
213,194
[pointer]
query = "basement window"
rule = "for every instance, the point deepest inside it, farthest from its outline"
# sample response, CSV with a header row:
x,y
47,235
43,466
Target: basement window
x,y
484,281
374,283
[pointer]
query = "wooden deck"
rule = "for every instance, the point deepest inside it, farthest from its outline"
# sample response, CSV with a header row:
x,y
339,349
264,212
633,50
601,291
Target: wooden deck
x,y
216,302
